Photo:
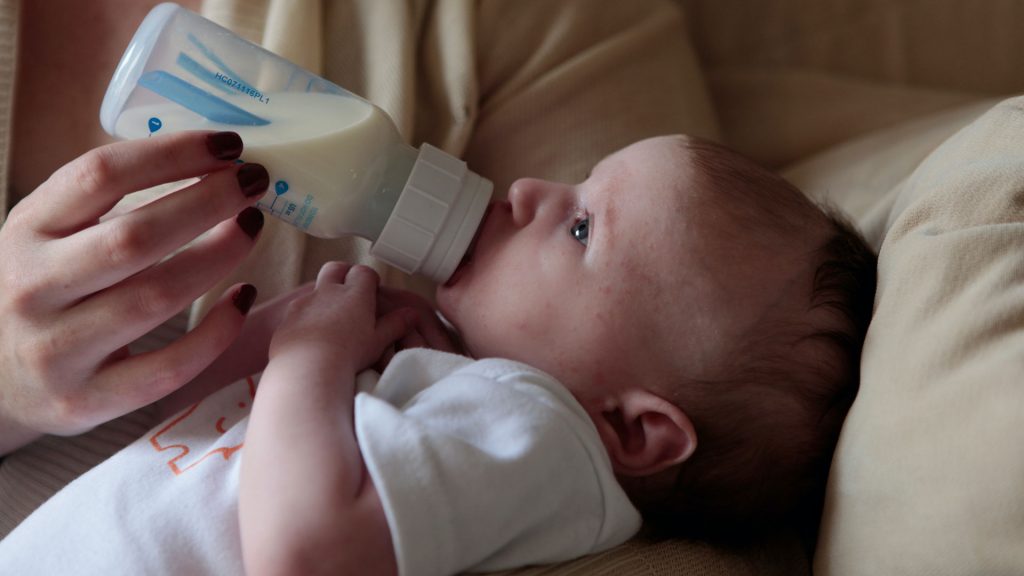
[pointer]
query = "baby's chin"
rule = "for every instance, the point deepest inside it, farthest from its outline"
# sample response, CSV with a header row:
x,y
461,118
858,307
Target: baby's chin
x,y
443,297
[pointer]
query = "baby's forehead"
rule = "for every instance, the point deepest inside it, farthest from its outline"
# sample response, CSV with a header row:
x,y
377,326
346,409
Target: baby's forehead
x,y
710,247
671,175
716,284
690,208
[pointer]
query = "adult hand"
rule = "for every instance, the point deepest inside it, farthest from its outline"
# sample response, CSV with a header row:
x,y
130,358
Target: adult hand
x,y
245,356
79,283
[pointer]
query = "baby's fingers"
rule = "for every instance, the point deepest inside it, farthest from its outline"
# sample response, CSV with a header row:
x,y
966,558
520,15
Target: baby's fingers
x,y
430,331
413,339
392,327
332,273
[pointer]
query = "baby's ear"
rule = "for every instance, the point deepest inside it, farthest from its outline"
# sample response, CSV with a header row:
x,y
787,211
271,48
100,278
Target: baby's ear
x,y
644,433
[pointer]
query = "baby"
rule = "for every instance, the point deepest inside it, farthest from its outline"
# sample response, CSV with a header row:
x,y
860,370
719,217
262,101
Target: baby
x,y
676,337
686,297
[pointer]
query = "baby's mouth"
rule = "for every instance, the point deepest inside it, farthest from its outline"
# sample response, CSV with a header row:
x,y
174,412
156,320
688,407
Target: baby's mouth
x,y
467,258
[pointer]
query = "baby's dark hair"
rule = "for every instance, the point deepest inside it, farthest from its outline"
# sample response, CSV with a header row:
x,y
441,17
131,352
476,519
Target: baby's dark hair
x,y
760,463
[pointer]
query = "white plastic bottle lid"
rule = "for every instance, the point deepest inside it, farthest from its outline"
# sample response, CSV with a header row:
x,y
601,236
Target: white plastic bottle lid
x,y
436,216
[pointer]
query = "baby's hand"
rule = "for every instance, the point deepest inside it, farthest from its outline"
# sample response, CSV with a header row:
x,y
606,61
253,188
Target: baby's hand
x,y
429,331
337,326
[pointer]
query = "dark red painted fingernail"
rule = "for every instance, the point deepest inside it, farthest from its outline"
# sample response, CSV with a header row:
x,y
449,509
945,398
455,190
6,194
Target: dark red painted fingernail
x,y
250,220
224,145
253,179
244,297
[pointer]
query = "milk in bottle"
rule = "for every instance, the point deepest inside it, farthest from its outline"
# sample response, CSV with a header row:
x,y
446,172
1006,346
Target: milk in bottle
x,y
337,163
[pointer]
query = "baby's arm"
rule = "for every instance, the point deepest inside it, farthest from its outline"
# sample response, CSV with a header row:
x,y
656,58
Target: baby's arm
x,y
307,504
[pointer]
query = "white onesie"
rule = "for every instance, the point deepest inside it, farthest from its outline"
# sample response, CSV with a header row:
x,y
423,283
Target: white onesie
x,y
480,465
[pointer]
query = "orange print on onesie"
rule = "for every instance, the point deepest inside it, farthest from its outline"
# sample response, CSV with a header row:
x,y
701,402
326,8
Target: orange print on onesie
x,y
197,417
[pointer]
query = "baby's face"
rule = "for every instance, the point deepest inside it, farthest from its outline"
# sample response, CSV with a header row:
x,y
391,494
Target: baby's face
x,y
624,275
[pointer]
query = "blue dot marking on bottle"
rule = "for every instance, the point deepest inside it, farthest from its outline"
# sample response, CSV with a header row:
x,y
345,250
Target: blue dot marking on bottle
x,y
280,187
154,125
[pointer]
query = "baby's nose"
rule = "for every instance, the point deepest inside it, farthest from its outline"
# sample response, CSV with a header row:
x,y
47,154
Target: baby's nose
x,y
525,195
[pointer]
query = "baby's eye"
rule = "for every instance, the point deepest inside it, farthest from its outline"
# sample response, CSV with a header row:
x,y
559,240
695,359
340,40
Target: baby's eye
x,y
581,230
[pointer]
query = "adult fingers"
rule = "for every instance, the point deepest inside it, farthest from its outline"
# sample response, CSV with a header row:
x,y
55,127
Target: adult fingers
x,y
105,254
131,308
81,191
145,378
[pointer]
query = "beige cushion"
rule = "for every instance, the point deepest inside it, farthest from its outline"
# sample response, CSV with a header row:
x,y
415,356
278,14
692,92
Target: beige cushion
x,y
958,45
781,115
929,474
789,77
863,176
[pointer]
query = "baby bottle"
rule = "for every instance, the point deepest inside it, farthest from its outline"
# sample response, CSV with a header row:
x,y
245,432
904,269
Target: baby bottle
x,y
337,163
